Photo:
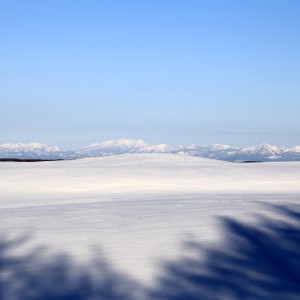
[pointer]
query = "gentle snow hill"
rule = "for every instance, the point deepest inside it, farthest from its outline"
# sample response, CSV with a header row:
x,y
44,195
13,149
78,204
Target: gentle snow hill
x,y
137,208
147,173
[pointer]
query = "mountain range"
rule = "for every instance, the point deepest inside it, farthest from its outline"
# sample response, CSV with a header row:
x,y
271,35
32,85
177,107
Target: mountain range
x,y
261,152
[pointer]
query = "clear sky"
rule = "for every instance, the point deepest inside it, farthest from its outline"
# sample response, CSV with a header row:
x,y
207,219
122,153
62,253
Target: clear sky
x,y
166,71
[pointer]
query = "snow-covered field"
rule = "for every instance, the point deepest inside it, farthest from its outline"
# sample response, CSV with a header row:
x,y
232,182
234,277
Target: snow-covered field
x,y
138,208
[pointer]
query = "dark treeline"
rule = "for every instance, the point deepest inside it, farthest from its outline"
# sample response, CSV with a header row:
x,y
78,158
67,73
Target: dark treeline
x,y
26,160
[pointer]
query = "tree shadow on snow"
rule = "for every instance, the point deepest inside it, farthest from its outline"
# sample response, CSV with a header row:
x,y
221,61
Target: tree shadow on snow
x,y
39,275
256,261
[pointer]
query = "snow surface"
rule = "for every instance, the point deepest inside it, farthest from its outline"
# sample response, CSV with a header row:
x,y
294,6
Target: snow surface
x,y
137,207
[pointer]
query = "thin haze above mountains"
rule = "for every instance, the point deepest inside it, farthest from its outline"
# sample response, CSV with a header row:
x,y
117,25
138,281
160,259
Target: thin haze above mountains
x,y
262,152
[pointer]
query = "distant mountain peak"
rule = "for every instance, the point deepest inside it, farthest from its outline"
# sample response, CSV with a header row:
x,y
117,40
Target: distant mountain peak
x,y
119,143
296,148
263,149
33,145
125,142
267,146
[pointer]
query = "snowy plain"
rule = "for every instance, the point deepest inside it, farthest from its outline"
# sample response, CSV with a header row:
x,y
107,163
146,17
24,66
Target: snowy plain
x,y
137,208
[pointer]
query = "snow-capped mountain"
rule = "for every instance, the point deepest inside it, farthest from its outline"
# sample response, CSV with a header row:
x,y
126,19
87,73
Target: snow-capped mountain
x,y
123,146
262,152
214,151
32,150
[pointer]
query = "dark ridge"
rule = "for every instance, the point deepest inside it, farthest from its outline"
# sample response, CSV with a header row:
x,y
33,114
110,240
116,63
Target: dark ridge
x,y
27,159
247,161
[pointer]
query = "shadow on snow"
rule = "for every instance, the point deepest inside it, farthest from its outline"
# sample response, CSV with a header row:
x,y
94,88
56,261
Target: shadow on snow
x,y
257,261
39,275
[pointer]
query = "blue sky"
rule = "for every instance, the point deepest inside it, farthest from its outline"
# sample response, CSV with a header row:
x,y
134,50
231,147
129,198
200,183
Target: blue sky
x,y
178,72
